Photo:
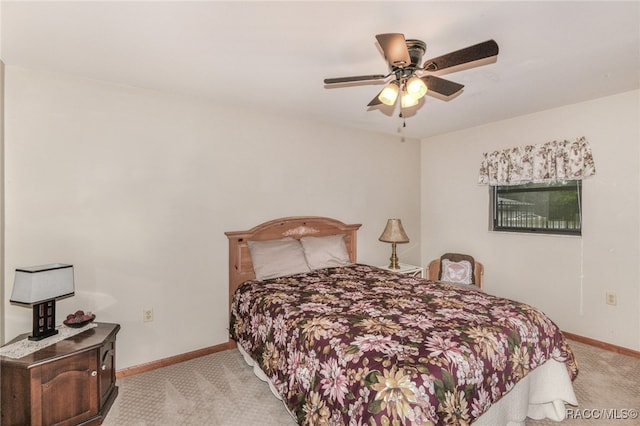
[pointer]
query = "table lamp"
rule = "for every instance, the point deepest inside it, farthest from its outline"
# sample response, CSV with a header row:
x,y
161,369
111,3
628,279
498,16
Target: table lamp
x,y
39,287
394,233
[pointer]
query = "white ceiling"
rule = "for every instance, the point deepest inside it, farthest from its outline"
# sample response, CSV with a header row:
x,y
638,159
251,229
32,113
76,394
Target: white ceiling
x,y
273,56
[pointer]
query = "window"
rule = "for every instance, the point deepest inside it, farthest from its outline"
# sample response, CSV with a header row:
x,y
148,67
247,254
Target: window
x,y
551,208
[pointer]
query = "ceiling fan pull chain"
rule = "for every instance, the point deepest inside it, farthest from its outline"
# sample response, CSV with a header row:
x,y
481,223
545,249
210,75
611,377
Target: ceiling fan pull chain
x,y
404,124
404,120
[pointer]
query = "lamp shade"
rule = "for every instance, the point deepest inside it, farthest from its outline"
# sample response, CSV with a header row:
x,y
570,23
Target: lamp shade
x,y
408,100
394,232
416,87
36,284
389,94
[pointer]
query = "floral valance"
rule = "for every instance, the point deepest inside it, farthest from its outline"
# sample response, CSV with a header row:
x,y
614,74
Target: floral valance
x,y
548,162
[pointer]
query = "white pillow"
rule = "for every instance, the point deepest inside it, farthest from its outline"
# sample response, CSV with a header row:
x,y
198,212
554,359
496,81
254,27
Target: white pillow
x,y
456,272
325,252
277,258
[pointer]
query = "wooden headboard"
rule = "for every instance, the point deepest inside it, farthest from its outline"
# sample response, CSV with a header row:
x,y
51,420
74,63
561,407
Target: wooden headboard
x,y
240,266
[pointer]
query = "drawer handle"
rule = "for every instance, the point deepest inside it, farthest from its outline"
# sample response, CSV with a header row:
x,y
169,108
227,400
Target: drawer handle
x,y
104,367
94,373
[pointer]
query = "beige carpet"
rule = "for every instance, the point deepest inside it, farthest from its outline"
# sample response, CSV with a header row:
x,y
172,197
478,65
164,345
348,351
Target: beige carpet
x,y
220,389
607,385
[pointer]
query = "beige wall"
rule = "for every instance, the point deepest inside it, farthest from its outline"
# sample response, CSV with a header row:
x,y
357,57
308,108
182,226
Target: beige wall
x,y
2,286
567,277
136,189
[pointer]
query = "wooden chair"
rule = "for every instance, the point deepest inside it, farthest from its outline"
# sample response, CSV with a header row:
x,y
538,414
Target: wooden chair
x,y
434,271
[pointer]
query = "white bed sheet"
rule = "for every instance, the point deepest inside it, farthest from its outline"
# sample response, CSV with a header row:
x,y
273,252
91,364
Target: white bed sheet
x,y
541,394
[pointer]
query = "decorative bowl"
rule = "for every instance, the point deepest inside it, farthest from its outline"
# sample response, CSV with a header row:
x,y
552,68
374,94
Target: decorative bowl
x,y
73,324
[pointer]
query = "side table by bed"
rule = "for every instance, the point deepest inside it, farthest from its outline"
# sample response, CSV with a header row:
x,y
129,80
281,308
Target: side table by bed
x,y
68,383
405,268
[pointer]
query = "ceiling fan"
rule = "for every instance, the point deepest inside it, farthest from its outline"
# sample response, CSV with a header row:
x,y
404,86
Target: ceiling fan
x,y
411,81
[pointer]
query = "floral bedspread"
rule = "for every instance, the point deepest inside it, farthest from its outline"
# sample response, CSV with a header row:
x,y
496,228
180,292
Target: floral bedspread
x,y
359,345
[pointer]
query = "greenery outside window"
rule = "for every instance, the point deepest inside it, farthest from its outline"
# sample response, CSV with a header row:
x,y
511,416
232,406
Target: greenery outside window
x,y
550,208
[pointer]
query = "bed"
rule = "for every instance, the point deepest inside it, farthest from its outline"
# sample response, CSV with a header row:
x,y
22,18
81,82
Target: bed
x,y
344,343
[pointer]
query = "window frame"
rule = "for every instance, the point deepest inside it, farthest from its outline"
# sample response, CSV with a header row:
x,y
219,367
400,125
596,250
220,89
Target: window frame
x,y
494,190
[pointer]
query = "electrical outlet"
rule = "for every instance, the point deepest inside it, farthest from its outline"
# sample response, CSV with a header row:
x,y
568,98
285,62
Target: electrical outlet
x,y
147,315
612,299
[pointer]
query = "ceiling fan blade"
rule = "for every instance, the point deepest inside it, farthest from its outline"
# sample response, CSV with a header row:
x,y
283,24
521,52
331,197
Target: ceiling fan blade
x,y
395,49
354,78
473,53
375,101
442,86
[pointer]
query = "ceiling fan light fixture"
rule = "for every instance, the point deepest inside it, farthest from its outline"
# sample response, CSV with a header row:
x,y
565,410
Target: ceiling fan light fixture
x,y
416,87
389,94
408,100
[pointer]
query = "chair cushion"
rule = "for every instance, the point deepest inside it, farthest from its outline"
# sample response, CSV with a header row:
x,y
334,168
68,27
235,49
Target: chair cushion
x,y
458,257
456,272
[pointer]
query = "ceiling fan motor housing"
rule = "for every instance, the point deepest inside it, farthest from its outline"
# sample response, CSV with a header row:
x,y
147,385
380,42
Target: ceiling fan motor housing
x,y
416,49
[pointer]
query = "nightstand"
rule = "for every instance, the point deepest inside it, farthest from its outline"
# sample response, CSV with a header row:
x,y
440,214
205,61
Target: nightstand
x,y
69,382
413,270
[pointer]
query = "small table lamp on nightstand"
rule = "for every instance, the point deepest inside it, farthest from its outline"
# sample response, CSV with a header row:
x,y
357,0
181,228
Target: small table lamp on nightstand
x,y
394,233
39,287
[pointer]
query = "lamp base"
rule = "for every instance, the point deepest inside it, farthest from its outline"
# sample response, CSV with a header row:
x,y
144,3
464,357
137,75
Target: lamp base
x,y
394,258
43,336
44,320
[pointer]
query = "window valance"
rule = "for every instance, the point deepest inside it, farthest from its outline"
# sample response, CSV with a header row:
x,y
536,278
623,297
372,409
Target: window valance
x,y
548,162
